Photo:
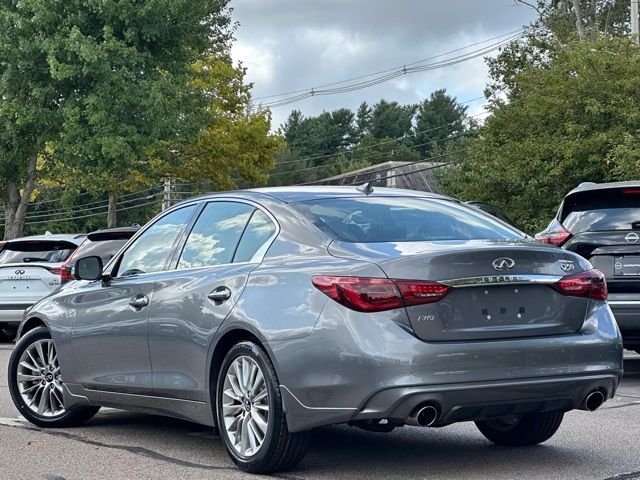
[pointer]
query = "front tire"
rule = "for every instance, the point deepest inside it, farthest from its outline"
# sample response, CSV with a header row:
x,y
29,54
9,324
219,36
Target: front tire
x,y
250,416
35,383
520,431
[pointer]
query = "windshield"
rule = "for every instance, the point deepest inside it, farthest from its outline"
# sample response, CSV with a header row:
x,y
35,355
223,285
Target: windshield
x,y
402,219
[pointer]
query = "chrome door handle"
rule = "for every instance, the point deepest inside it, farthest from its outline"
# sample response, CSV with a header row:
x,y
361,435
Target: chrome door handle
x,y
220,294
139,301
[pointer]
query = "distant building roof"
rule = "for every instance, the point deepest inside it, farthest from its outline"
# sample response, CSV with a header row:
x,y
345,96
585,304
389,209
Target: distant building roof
x,y
408,175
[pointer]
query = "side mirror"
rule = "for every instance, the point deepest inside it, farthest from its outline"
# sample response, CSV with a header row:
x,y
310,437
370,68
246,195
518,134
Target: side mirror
x,y
87,268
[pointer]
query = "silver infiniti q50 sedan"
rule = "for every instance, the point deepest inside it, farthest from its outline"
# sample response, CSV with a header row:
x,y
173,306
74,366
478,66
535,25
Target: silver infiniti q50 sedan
x,y
270,312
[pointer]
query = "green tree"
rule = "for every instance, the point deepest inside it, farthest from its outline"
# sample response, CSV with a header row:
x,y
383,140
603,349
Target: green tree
x,y
236,141
392,120
438,117
574,119
98,87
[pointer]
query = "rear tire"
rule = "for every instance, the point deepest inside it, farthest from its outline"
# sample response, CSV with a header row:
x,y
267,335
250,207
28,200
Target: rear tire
x,y
250,416
521,431
26,394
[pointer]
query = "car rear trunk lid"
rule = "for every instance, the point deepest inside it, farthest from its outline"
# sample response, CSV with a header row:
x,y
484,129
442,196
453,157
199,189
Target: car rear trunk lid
x,y
500,289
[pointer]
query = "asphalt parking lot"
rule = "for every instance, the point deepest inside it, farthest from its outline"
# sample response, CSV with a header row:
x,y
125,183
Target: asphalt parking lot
x,y
121,445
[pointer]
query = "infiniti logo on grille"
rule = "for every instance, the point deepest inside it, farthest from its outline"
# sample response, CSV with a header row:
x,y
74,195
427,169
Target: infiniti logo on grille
x,y
632,237
504,263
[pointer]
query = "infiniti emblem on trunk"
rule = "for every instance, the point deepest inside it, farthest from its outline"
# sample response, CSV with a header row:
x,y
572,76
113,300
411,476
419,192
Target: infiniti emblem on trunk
x,y
504,263
632,237
19,272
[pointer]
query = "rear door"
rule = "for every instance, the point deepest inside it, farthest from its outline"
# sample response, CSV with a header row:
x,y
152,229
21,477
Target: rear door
x,y
191,302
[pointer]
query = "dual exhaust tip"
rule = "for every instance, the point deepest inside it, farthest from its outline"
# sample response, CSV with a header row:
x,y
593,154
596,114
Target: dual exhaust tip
x,y
426,415
423,416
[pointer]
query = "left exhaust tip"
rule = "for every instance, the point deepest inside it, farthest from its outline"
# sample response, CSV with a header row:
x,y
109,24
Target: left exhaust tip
x,y
423,416
593,401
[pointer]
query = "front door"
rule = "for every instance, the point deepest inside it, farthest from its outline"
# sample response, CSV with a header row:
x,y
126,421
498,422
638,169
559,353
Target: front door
x,y
110,325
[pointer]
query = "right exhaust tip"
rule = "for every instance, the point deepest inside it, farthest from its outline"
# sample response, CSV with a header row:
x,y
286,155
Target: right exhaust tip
x,y
423,416
593,401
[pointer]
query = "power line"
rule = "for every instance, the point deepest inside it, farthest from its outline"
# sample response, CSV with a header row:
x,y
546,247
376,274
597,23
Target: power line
x,y
519,31
389,76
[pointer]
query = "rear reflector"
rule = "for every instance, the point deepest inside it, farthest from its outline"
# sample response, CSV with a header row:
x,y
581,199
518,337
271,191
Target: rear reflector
x,y
589,284
379,294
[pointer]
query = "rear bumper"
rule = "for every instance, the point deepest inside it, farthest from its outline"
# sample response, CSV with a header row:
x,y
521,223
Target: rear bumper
x,y
357,366
627,313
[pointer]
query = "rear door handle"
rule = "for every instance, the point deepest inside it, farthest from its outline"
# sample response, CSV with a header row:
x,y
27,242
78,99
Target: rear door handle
x,y
139,301
220,294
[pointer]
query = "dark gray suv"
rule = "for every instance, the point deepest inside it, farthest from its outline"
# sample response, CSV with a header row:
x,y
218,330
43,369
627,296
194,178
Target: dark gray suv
x,y
273,311
601,222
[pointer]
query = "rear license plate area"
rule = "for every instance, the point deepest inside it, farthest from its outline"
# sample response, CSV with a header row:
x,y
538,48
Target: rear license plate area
x,y
628,266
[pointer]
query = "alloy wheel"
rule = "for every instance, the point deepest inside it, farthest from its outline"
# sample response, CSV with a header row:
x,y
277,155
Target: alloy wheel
x,y
39,379
245,404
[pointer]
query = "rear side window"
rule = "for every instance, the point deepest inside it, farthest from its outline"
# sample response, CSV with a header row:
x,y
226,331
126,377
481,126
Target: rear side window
x,y
28,251
258,231
215,235
602,210
402,219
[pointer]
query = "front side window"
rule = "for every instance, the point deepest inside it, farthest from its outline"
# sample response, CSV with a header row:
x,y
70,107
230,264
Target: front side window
x,y
402,219
151,250
215,235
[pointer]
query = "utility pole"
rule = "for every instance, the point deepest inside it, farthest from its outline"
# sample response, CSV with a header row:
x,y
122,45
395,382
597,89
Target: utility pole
x,y
166,196
635,21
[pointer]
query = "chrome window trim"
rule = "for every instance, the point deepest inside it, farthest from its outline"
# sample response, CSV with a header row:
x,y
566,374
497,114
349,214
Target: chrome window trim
x,y
483,281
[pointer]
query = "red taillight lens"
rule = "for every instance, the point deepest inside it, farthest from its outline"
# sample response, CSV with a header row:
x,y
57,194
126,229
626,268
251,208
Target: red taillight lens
x,y
555,234
379,294
65,273
55,270
420,292
589,284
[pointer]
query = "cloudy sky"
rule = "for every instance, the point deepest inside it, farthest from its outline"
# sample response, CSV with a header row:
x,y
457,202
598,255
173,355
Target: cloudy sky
x,y
298,44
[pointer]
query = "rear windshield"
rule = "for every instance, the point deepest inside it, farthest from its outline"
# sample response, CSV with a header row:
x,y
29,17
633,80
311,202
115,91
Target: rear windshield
x,y
36,251
602,210
104,249
402,219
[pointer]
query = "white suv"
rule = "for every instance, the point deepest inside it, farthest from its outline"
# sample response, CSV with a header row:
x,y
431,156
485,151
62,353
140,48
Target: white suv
x,y
29,271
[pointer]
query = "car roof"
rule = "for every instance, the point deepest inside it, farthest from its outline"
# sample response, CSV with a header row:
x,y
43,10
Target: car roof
x,y
75,238
305,193
589,186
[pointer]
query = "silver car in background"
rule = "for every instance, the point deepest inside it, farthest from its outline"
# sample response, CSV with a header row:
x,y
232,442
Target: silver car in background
x,y
29,270
270,312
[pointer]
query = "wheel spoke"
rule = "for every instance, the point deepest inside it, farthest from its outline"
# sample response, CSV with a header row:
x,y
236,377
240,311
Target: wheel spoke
x,y
28,366
260,396
23,377
42,406
260,422
231,393
259,434
41,357
33,359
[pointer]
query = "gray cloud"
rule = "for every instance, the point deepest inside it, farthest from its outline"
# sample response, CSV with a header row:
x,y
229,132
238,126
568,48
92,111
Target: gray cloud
x,y
297,44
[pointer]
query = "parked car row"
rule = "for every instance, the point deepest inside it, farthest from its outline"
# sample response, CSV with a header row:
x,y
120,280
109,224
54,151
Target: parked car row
x,y
270,312
32,267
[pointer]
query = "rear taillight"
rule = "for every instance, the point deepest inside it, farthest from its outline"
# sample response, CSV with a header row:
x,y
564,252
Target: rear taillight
x,y
555,234
589,284
379,294
55,270
65,273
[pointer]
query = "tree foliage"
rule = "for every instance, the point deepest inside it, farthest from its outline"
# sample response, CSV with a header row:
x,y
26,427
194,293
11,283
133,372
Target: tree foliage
x,y
574,118
341,141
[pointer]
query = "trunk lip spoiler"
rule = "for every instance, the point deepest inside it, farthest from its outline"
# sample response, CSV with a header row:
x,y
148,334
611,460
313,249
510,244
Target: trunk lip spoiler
x,y
516,279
